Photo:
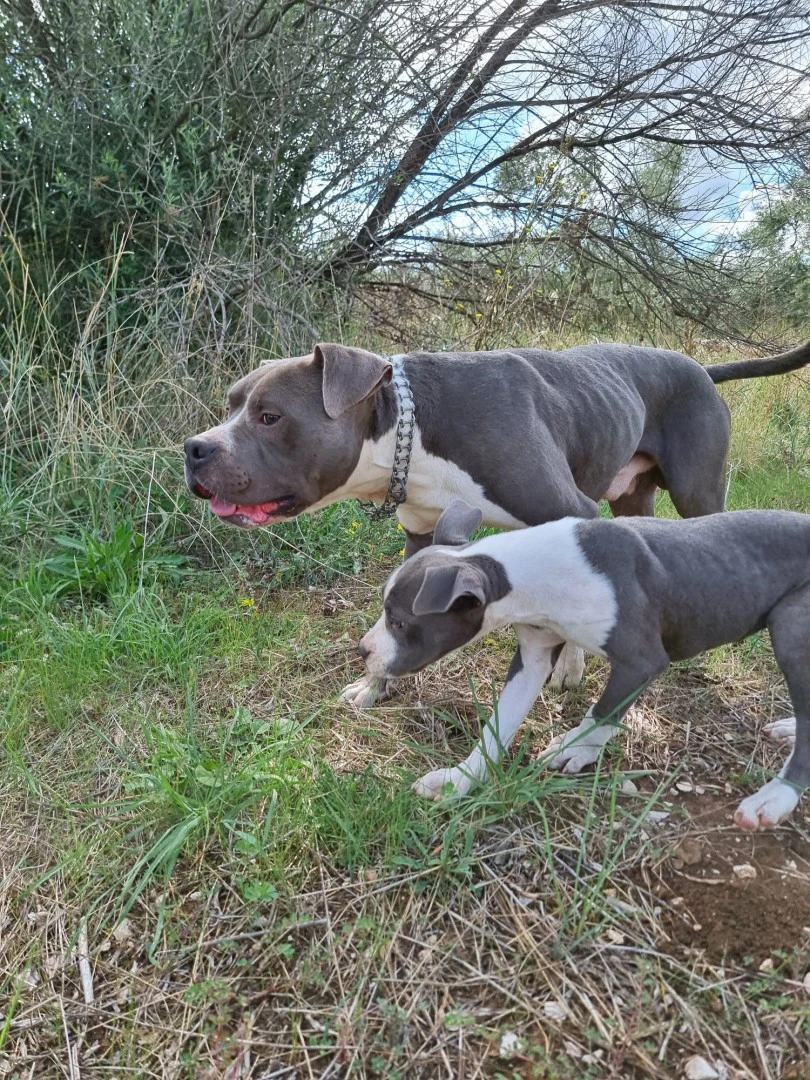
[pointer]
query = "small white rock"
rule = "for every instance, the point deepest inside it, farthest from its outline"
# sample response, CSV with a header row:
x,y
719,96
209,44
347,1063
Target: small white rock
x,y
684,785
554,1010
627,787
767,964
744,870
123,932
572,1050
657,816
698,1068
510,1044
806,982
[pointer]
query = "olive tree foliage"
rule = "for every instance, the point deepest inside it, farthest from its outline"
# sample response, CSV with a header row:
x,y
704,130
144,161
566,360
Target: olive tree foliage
x,y
777,246
166,151
235,169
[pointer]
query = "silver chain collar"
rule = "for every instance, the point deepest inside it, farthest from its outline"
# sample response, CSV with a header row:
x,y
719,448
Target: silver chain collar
x,y
397,489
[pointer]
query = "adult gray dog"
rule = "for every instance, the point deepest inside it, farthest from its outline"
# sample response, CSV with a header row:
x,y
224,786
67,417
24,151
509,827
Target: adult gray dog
x,y
525,435
641,593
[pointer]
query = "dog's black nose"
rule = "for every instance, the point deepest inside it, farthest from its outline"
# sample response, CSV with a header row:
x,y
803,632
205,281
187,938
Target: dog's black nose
x,y
198,451
361,648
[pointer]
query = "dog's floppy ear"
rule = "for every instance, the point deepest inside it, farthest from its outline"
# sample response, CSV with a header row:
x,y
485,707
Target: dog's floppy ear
x,y
457,523
349,376
445,584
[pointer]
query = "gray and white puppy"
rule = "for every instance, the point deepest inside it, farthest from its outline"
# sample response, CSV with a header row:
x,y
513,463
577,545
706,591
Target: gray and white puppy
x,y
640,592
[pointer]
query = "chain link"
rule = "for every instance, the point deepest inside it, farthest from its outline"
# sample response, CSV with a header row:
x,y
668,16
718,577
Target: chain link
x,y
398,487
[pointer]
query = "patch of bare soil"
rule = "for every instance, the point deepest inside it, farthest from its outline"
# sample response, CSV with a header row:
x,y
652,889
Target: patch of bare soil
x,y
738,896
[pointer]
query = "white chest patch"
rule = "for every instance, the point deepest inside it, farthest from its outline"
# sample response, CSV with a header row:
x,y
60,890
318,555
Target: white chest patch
x,y
433,483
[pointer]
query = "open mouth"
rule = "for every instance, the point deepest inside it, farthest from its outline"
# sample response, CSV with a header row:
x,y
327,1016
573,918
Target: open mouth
x,y
259,514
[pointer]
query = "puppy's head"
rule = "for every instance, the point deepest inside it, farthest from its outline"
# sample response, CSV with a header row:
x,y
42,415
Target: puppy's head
x,y
435,602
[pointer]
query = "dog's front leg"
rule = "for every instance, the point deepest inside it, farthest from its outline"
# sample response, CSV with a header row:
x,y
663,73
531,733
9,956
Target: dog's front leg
x,y
529,670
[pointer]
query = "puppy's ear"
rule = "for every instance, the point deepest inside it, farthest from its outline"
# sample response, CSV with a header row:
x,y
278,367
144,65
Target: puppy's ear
x,y
349,376
457,523
445,585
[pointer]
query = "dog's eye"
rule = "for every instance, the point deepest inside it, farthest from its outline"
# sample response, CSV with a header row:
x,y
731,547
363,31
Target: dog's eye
x,y
268,419
396,624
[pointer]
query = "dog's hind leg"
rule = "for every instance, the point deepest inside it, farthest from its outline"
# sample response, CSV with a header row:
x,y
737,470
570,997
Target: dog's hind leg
x,y
789,624
692,457
576,749
640,502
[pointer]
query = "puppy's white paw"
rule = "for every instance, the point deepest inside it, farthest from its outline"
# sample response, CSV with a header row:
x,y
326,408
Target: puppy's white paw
x,y
433,785
569,669
782,730
575,750
367,691
768,806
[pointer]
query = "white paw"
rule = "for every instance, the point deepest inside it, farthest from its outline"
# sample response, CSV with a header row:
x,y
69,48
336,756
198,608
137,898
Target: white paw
x,y
768,806
782,730
434,784
366,691
569,669
574,750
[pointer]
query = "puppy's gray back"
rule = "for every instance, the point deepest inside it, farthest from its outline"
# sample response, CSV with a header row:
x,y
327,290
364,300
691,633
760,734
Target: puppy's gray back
x,y
702,582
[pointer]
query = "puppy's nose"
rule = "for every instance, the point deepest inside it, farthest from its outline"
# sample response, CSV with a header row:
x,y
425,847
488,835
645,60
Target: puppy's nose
x,y
198,451
363,649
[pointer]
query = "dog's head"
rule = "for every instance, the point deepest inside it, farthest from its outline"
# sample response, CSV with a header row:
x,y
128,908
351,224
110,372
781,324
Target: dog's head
x,y
293,435
437,601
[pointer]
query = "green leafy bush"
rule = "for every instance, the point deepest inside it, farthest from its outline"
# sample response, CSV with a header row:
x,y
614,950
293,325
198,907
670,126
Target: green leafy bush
x,y
99,567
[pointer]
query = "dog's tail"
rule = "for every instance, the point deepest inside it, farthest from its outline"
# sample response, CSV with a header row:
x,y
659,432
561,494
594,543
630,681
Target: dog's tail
x,y
791,360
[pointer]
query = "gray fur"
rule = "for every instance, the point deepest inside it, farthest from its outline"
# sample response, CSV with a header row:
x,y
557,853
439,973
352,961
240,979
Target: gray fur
x,y
349,376
457,524
687,586
792,360
684,587
564,424
444,585
542,432
694,585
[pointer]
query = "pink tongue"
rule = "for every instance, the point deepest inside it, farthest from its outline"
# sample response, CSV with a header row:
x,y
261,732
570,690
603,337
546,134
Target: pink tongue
x,y
222,508
256,514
